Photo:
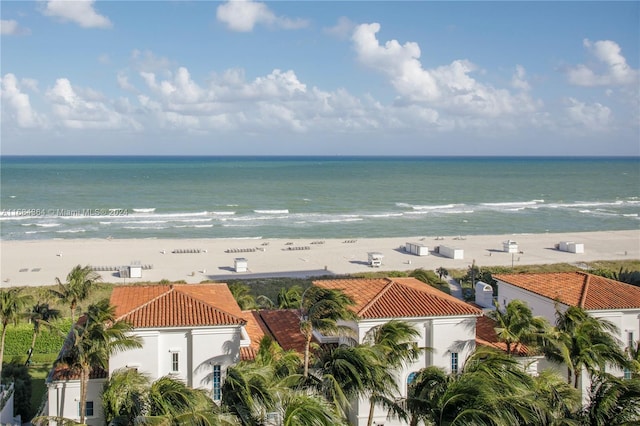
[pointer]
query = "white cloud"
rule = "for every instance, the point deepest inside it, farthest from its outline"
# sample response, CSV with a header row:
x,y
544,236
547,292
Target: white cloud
x,y
18,104
593,116
123,82
80,12
518,81
83,109
148,61
611,68
244,15
11,27
449,87
343,28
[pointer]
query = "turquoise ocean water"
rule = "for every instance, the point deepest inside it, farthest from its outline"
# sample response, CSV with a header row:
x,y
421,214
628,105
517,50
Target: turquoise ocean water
x,y
313,197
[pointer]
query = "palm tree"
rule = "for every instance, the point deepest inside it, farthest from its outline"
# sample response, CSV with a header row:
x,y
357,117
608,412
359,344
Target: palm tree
x,y
96,336
123,396
242,293
345,372
41,313
321,310
633,351
584,342
516,325
394,341
612,401
471,397
307,408
171,400
77,288
442,272
561,400
12,304
289,298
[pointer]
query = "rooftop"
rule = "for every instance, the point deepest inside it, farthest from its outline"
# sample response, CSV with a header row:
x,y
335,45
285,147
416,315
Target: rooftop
x,y
398,298
177,305
588,291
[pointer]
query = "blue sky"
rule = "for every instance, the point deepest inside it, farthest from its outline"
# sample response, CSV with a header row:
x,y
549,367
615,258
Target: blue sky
x,y
320,78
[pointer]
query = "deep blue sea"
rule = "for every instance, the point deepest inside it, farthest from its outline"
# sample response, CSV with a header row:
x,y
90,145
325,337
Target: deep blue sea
x,y
313,197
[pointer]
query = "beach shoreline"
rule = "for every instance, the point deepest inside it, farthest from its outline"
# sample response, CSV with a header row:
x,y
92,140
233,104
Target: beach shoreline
x,y
40,262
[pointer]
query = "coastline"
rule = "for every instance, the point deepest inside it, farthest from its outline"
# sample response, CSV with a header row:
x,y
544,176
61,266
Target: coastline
x,y
39,262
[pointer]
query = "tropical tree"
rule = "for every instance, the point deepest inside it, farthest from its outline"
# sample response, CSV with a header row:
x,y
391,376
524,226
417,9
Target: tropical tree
x,y
171,401
583,342
394,342
12,306
77,287
633,351
242,293
561,400
289,298
345,372
612,401
307,408
516,325
472,397
41,314
129,398
123,396
321,310
442,272
95,337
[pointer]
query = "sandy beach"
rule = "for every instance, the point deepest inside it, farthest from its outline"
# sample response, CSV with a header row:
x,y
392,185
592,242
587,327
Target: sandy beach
x,y
34,263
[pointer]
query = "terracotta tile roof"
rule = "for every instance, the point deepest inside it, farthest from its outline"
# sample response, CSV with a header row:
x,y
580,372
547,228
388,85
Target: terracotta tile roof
x,y
486,336
398,298
591,292
256,330
177,305
63,372
284,326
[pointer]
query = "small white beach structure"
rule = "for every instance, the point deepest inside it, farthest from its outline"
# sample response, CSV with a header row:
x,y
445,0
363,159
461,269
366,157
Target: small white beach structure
x,y
241,264
135,270
451,252
375,259
510,246
484,295
417,249
571,247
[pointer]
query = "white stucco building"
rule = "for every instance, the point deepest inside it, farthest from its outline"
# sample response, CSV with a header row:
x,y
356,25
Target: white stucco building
x,y
191,332
603,298
446,325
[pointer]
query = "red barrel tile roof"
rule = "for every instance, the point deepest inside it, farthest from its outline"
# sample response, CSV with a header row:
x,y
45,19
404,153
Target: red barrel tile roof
x,y
590,292
178,305
398,298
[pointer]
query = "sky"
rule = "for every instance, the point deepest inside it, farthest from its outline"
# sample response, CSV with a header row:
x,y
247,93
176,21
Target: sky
x,y
320,78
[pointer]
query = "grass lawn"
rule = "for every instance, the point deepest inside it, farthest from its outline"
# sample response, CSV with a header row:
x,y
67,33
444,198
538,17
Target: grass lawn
x,y
38,373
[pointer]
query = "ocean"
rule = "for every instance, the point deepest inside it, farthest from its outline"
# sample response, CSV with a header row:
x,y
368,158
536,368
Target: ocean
x,y
313,197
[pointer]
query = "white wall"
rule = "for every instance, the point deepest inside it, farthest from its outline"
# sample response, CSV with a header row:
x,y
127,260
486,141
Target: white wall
x,y
442,334
64,396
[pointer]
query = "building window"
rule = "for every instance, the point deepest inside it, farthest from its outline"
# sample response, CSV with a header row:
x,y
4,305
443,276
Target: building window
x,y
630,342
454,362
88,409
627,374
175,362
217,376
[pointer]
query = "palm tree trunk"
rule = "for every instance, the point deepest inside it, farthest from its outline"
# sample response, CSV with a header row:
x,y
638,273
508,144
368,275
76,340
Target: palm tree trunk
x,y
4,333
306,355
576,378
84,381
33,345
372,407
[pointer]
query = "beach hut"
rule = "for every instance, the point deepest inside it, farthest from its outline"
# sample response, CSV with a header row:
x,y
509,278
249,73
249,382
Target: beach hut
x,y
571,247
135,271
451,252
510,246
241,264
375,259
417,249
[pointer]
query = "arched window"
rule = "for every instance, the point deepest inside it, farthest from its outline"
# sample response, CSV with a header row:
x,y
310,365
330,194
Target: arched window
x,y
410,379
